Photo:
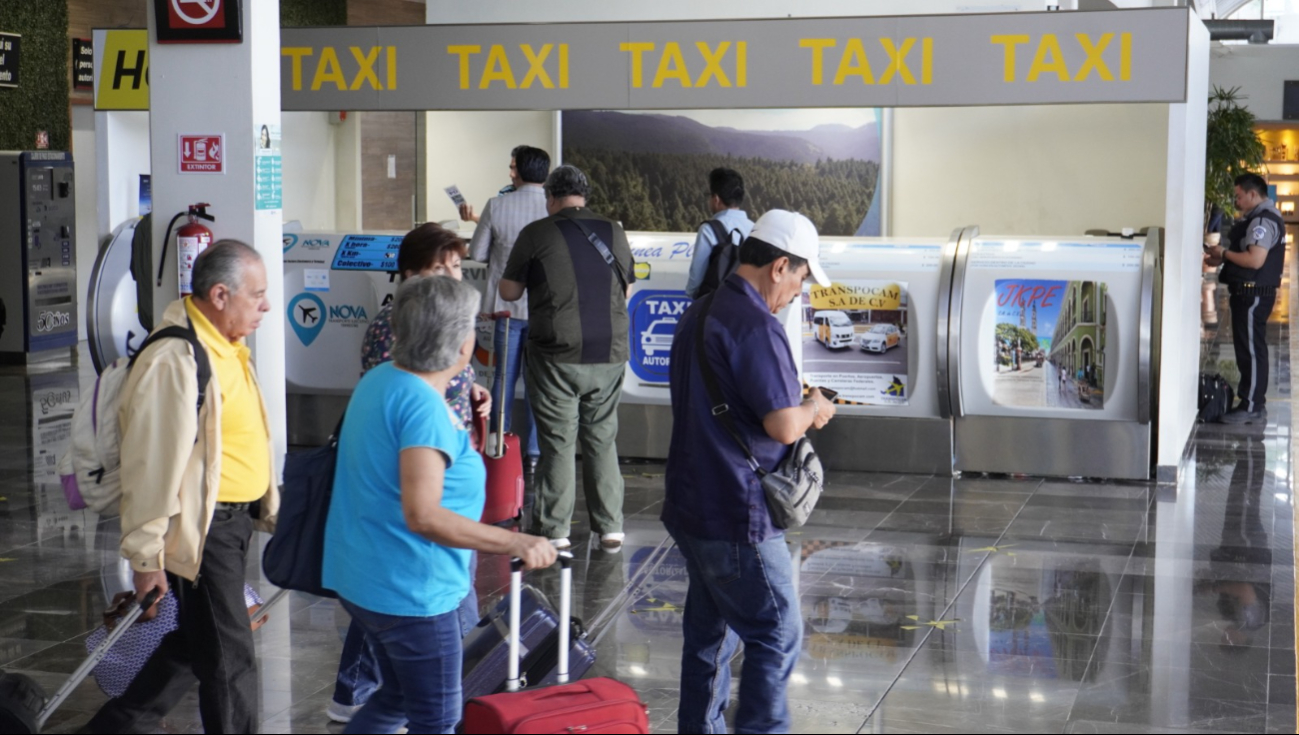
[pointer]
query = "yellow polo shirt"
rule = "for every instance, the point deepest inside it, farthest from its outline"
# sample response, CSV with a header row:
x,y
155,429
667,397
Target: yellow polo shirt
x,y
245,440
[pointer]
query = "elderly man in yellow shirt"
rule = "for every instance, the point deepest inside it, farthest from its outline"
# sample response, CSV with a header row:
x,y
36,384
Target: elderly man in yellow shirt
x,y
196,483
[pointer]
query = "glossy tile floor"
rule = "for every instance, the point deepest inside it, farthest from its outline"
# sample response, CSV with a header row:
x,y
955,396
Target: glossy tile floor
x,y
980,604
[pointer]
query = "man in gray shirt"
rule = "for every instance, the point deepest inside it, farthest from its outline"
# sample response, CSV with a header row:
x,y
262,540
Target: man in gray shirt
x,y
498,228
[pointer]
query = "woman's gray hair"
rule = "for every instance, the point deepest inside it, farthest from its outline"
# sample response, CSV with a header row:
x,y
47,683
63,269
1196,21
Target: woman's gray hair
x,y
222,264
432,317
567,181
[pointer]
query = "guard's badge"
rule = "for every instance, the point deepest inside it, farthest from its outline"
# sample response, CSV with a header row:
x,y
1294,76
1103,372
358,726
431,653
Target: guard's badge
x,y
1260,232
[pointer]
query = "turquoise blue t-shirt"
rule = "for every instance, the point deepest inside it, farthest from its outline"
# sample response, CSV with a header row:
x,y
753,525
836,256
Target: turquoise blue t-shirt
x,y
372,559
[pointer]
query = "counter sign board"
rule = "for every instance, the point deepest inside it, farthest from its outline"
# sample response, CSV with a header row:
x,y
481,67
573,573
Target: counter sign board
x,y
202,154
368,253
199,21
9,46
654,317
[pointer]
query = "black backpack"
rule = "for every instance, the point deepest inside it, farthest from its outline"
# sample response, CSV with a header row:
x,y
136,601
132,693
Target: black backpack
x,y
724,259
1215,398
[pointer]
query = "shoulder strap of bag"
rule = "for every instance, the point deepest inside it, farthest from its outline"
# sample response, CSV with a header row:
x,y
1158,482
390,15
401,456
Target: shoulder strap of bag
x,y
188,334
601,247
720,233
717,405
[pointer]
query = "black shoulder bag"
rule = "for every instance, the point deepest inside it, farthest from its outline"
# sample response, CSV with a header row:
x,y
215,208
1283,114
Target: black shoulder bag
x,y
794,487
605,252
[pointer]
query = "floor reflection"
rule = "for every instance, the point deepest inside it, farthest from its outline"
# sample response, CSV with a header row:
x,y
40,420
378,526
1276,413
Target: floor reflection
x,y
986,604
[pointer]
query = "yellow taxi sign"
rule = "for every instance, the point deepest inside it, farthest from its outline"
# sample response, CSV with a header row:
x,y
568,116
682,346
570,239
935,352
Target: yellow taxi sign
x,y
122,76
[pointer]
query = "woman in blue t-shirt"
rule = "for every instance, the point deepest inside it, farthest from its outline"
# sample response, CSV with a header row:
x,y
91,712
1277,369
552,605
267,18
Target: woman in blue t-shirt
x,y
426,250
408,490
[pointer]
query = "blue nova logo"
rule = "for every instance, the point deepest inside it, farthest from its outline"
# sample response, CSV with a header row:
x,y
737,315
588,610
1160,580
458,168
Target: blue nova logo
x,y
307,315
289,241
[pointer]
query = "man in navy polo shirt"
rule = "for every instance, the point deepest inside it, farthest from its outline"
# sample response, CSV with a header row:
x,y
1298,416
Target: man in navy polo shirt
x,y
741,574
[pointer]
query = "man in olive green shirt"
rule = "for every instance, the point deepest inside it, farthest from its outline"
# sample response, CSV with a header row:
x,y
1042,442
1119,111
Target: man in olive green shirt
x,y
577,269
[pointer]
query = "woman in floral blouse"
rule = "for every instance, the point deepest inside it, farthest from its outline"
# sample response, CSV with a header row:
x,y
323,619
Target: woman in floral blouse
x,y
426,251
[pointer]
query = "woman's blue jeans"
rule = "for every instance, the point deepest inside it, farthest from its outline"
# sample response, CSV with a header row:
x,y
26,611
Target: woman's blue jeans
x,y
358,667
419,661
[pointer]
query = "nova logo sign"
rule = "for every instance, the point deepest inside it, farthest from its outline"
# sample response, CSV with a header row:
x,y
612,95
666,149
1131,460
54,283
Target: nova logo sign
x,y
347,315
307,315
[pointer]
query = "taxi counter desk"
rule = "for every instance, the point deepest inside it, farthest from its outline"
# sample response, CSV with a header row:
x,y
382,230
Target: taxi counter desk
x,y
974,353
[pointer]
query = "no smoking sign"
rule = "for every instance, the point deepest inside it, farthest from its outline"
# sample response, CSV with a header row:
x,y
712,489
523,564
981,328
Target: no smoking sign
x,y
199,21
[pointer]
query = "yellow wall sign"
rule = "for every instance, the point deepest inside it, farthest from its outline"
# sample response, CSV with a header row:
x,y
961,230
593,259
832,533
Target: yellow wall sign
x,y
887,297
122,70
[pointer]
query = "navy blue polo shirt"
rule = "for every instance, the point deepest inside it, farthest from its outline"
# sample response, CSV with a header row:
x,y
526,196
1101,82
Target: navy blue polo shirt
x,y
712,493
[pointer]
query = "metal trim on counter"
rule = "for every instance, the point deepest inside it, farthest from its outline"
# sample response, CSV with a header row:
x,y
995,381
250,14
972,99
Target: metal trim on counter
x,y
875,444
1117,450
1145,372
955,315
944,315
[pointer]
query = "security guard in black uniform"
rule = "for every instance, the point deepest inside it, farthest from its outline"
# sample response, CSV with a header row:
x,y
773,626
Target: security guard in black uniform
x,y
1252,264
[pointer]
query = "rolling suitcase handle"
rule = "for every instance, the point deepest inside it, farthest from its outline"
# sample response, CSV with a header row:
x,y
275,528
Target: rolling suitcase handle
x,y
501,359
514,680
96,656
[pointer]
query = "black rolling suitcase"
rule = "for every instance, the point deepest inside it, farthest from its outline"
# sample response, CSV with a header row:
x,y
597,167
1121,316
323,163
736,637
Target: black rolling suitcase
x,y
23,706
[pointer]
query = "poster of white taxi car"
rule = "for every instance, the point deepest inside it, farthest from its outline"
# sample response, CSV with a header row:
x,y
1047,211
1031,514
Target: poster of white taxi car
x,y
870,317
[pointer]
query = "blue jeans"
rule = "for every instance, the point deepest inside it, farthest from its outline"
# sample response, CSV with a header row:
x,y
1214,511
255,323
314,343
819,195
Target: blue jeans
x,y
509,372
419,661
738,592
358,666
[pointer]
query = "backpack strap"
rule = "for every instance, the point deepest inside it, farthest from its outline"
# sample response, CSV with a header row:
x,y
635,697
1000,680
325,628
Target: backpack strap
x,y
188,334
720,233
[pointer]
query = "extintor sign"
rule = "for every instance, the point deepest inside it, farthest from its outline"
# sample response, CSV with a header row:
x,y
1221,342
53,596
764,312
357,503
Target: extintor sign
x,y
199,21
202,154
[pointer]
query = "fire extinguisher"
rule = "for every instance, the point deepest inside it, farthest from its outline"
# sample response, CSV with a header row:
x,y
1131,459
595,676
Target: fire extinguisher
x,y
191,239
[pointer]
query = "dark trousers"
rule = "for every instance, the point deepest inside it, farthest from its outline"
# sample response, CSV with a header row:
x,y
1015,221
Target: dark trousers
x,y
1249,313
213,644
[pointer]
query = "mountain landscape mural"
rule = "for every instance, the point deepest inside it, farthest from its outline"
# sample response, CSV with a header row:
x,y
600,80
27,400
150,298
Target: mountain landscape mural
x,y
650,171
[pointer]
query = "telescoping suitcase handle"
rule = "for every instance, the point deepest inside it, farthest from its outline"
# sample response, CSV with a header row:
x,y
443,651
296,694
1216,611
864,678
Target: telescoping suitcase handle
x,y
514,681
96,656
501,360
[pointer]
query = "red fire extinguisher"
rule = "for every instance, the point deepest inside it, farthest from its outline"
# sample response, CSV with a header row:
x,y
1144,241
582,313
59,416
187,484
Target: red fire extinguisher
x,y
191,239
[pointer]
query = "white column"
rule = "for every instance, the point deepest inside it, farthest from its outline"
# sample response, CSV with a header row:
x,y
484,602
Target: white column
x,y
228,89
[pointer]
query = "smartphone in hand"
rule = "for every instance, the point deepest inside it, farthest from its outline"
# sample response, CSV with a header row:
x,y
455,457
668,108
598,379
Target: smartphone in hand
x,y
828,394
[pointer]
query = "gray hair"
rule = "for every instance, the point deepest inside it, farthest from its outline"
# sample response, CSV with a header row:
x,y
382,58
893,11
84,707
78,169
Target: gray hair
x,y
431,318
222,264
568,181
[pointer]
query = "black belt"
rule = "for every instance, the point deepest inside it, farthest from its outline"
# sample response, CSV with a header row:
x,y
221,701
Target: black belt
x,y
235,507
1251,289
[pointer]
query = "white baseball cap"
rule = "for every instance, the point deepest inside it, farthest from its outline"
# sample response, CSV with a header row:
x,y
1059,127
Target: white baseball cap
x,y
796,235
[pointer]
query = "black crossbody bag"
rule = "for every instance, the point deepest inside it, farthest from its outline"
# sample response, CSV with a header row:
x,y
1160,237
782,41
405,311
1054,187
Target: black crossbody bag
x,y
793,488
604,250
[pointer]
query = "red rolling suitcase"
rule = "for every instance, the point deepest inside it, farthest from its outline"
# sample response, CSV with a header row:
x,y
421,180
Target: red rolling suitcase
x,y
504,459
593,705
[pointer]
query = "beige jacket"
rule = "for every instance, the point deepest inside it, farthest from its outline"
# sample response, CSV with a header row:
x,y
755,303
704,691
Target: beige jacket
x,y
170,479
